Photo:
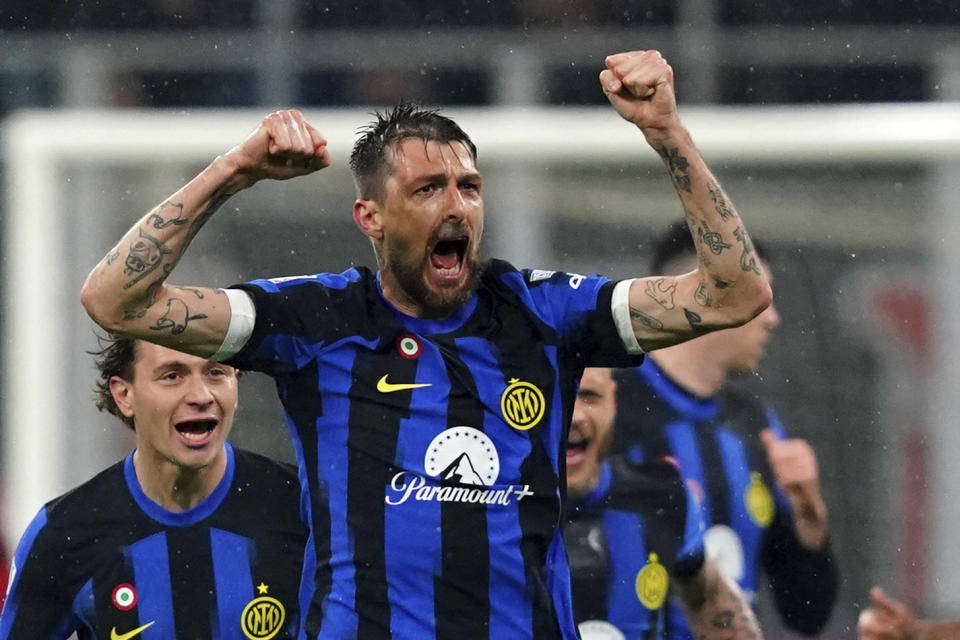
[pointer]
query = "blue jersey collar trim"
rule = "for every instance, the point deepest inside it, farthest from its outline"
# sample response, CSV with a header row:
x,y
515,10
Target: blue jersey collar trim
x,y
426,326
682,401
179,518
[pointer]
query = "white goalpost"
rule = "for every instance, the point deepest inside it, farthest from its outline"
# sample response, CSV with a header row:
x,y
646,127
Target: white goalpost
x,y
59,221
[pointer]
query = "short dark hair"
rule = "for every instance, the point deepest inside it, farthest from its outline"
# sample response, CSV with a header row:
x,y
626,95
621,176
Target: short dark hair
x,y
368,160
116,357
676,243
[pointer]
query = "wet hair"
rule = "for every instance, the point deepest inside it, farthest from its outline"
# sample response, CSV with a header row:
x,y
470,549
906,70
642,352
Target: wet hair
x,y
369,161
116,357
675,243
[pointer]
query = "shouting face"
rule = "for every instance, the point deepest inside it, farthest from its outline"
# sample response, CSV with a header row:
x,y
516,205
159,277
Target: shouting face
x,y
591,430
427,228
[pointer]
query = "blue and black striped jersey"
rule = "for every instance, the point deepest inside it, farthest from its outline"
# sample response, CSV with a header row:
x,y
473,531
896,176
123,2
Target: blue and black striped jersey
x,y
749,522
432,451
106,562
625,539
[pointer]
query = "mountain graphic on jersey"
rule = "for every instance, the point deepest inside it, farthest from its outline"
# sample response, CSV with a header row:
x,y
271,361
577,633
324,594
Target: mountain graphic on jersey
x,y
461,470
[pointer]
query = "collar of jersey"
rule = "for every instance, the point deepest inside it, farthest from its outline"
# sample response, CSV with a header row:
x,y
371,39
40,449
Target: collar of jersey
x,y
179,518
680,399
426,326
599,493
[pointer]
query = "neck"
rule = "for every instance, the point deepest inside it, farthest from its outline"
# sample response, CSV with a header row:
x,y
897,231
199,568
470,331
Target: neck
x,y
691,368
175,487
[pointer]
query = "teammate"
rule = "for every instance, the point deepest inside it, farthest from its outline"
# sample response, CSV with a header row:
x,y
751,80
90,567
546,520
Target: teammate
x,y
428,401
760,491
632,531
889,619
186,538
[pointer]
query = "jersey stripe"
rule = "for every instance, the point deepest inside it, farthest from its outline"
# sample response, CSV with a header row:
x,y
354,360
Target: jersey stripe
x,y
374,423
152,579
461,596
231,555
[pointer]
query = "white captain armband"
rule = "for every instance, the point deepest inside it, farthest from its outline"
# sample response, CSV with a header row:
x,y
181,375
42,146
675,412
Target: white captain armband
x,y
620,306
243,315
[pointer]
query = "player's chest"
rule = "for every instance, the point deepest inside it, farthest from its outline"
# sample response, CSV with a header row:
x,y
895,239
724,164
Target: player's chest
x,y
191,583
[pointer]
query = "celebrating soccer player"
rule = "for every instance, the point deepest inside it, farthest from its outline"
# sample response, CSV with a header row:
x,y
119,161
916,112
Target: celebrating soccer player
x,y
429,400
185,538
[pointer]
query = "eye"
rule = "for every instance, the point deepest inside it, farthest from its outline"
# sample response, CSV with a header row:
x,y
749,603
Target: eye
x,y
170,376
426,189
470,186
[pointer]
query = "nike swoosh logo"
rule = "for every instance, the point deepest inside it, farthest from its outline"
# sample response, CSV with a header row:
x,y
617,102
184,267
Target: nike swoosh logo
x,y
388,387
129,634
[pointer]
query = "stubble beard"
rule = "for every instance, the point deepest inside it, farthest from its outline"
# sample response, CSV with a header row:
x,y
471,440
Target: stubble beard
x,y
432,303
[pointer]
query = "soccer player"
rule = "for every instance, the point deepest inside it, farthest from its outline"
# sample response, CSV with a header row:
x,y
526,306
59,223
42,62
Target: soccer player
x,y
889,619
185,538
632,532
759,490
429,400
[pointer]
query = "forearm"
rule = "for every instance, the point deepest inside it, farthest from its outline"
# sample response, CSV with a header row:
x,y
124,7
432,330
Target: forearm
x,y
730,280
123,287
716,608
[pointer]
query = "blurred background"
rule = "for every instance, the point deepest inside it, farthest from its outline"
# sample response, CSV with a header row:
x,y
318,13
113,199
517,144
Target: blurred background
x,y
833,124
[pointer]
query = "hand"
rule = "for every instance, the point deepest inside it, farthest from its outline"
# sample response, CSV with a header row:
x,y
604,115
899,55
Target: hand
x,y
794,465
639,85
284,146
887,619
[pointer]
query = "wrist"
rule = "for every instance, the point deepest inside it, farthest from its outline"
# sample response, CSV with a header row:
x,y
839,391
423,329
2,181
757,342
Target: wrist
x,y
226,171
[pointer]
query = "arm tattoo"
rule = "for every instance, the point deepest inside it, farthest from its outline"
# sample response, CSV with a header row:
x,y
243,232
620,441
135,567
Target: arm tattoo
x,y
112,257
724,210
702,294
152,290
710,239
215,203
662,291
678,166
176,317
146,254
643,319
696,322
748,259
158,222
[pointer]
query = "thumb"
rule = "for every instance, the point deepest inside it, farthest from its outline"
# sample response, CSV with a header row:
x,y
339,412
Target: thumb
x,y
769,439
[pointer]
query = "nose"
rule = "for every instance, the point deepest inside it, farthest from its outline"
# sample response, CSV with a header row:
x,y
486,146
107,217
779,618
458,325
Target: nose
x,y
578,413
199,393
773,315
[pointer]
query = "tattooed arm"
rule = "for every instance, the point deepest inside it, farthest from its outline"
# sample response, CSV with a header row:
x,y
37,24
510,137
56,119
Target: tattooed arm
x,y
127,293
716,608
728,288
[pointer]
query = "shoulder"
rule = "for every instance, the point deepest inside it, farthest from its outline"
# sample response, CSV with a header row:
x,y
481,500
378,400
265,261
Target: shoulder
x,y
258,474
84,502
651,485
745,410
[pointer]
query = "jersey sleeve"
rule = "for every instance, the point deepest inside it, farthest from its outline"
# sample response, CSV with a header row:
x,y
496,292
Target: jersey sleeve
x,y
580,309
39,595
804,582
293,316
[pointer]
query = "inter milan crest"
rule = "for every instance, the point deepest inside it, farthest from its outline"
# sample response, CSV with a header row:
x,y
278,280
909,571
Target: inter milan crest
x,y
263,616
652,583
409,347
124,597
522,405
759,501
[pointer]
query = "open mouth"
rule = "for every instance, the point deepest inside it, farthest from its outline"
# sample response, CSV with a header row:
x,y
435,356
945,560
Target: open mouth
x,y
576,445
196,431
447,255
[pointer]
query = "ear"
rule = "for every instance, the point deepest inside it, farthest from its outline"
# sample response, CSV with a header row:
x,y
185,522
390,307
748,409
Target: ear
x,y
121,391
366,213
